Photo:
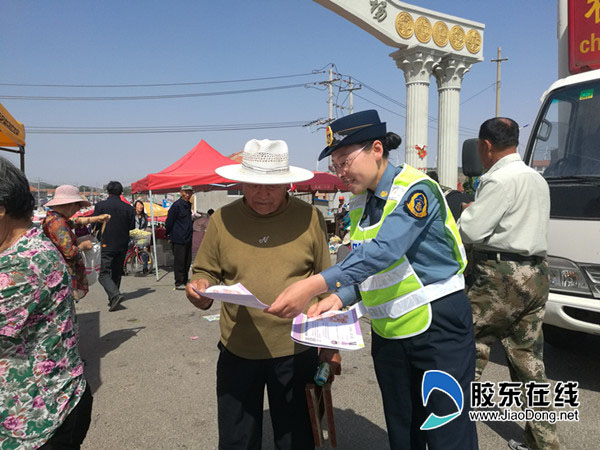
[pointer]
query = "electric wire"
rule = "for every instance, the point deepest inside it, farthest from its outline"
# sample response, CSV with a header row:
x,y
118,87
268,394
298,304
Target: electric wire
x,y
164,129
432,121
152,97
378,105
480,92
190,83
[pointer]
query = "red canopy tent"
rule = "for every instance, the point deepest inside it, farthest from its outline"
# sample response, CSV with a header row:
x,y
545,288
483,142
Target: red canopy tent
x,y
196,168
324,182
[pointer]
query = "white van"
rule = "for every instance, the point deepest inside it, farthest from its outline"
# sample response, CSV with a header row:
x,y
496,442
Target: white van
x,y
564,146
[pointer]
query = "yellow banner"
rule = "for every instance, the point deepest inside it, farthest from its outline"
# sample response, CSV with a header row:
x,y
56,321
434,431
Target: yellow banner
x,y
12,132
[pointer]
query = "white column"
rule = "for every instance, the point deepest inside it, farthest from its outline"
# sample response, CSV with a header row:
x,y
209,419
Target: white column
x,y
417,66
449,74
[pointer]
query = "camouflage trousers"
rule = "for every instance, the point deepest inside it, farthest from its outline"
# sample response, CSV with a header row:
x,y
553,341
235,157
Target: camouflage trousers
x,y
508,300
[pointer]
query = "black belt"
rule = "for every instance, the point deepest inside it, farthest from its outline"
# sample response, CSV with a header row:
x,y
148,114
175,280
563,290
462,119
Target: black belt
x,y
505,256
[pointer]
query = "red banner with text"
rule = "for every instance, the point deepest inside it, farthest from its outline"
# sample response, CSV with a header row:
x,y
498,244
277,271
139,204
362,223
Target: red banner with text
x,y
584,35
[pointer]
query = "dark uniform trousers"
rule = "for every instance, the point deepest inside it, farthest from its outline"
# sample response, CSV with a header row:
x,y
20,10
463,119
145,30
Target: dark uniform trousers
x,y
448,345
240,396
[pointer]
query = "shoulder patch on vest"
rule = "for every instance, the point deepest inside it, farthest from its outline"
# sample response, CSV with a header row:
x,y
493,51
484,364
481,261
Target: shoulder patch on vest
x,y
416,205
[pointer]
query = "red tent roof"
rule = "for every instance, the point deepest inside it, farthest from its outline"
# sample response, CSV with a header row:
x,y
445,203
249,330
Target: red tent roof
x,y
196,168
321,182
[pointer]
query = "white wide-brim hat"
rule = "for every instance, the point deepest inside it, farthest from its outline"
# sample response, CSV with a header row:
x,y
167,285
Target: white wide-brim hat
x,y
265,162
67,194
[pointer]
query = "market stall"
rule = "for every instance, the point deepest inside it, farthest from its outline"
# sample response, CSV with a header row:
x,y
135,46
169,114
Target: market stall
x,y
196,168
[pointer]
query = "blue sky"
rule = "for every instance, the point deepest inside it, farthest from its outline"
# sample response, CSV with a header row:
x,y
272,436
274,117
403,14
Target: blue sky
x,y
145,42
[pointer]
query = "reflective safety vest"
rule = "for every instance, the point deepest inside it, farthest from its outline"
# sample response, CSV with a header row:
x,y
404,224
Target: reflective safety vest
x,y
396,299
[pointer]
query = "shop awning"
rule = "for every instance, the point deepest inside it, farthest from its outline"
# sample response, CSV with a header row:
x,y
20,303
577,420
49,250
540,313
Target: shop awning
x,y
12,132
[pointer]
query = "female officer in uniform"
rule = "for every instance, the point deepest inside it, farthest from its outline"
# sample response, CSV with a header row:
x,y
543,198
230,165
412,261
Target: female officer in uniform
x,y
406,265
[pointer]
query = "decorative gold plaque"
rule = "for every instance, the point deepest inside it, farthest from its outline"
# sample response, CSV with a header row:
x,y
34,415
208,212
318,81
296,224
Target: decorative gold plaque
x,y
405,25
440,34
423,29
457,37
473,41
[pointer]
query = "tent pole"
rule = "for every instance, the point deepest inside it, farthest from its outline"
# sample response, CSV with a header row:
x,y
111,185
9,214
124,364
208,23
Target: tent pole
x,y
153,235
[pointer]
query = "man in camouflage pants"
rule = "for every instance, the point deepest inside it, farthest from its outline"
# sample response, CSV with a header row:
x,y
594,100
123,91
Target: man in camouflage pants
x,y
508,284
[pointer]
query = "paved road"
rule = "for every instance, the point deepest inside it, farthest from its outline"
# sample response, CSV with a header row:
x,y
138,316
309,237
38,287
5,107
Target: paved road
x,y
154,387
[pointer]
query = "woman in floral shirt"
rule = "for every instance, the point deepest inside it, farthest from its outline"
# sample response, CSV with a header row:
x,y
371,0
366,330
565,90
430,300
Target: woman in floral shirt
x,y
44,399
59,228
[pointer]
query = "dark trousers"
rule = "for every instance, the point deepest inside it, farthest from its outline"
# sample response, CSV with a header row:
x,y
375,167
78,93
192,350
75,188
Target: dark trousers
x,y
72,432
240,394
111,269
448,345
182,260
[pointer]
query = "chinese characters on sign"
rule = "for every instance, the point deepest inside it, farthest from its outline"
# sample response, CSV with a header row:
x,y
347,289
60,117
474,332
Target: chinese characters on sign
x,y
378,10
584,35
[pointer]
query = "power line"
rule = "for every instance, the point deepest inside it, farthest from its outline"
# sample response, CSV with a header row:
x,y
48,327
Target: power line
x,y
154,97
402,105
480,92
165,129
168,129
381,94
191,83
378,105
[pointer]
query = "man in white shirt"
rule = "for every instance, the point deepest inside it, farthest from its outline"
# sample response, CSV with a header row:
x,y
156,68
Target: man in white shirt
x,y
508,288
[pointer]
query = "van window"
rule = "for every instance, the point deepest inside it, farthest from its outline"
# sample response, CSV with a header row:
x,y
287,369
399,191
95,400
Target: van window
x,y
567,134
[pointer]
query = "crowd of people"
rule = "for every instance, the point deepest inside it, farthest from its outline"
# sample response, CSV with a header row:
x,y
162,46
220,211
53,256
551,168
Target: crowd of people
x,y
431,306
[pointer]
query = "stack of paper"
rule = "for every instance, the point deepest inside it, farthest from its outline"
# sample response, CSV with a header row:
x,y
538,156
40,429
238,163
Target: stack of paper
x,y
334,329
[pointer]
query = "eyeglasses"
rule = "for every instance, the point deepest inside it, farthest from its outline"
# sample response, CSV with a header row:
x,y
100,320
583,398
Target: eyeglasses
x,y
339,168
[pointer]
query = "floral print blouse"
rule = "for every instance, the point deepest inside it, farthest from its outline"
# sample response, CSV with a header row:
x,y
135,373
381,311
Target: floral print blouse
x,y
41,373
60,231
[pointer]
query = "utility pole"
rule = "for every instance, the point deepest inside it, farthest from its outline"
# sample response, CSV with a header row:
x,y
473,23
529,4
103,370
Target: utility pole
x,y
498,62
351,89
351,97
329,84
330,87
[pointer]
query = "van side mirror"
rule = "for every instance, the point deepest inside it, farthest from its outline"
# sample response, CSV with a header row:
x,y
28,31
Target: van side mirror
x,y
544,130
471,164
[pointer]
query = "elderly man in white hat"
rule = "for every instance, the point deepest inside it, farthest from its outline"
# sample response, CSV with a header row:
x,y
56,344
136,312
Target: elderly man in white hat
x,y
266,241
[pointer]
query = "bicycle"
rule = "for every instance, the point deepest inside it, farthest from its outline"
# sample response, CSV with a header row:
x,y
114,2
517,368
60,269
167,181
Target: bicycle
x,y
139,249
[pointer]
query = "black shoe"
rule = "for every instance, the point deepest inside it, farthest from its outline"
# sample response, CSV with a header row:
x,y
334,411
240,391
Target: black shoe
x,y
145,271
116,300
514,445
